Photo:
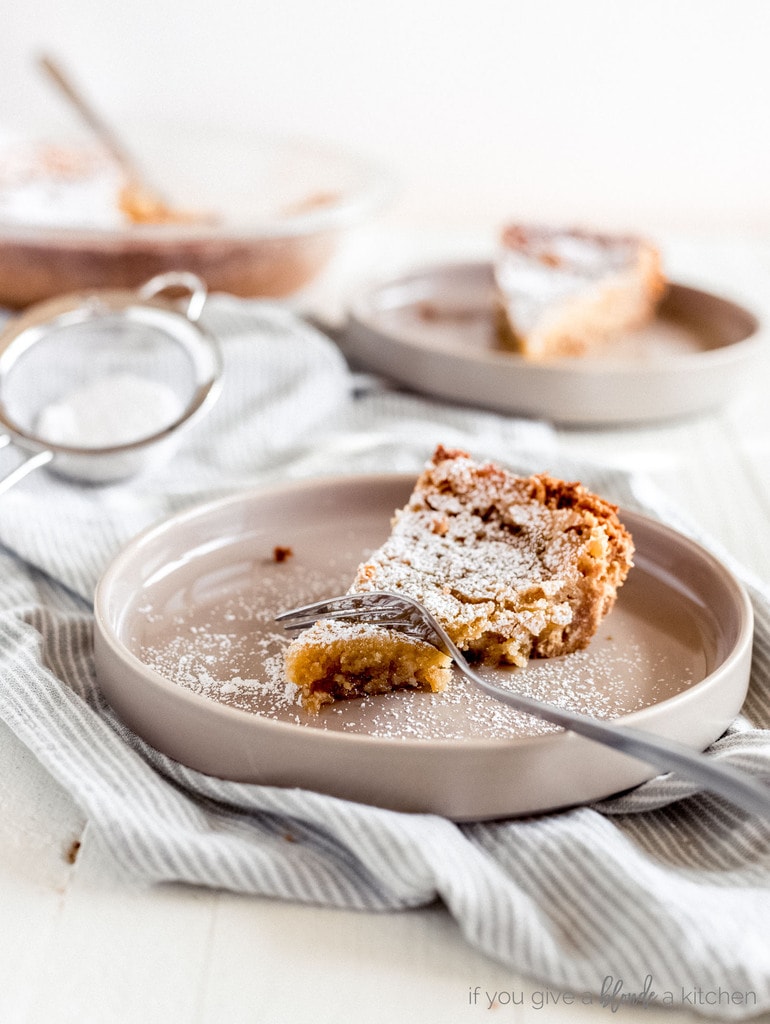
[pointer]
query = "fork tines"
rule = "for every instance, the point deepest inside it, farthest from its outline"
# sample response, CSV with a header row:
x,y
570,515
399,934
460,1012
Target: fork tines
x,y
342,607
376,607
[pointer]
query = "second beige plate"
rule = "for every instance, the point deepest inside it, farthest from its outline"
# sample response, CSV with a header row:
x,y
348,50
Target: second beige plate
x,y
433,331
189,656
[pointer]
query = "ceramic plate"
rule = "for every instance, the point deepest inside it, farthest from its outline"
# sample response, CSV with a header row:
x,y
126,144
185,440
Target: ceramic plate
x,y
433,331
189,656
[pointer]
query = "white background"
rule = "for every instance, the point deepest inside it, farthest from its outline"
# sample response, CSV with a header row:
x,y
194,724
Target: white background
x,y
650,115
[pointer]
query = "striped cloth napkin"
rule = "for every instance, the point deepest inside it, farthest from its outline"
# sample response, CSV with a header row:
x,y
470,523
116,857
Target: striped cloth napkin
x,y
660,894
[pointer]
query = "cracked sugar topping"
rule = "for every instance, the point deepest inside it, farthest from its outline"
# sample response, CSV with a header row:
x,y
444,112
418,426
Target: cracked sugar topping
x,y
582,253
474,539
538,267
513,568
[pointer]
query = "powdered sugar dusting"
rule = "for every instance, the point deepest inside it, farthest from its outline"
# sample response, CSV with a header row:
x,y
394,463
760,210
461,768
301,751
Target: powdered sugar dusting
x,y
203,618
538,268
607,680
501,560
209,628
52,185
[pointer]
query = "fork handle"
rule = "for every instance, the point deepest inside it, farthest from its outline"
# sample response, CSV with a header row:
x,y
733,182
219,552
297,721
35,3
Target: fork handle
x,y
668,755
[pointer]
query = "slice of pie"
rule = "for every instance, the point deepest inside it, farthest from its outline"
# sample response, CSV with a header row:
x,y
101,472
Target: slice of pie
x,y
513,567
563,293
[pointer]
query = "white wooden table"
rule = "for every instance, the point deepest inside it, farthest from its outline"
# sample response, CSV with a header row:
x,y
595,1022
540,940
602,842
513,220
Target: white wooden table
x,y
77,945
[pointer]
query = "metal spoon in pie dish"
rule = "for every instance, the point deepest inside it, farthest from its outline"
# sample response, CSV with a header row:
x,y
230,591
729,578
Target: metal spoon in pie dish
x,y
140,201
98,387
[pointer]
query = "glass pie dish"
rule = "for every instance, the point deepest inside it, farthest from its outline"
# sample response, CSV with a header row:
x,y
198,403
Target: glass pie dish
x,y
255,215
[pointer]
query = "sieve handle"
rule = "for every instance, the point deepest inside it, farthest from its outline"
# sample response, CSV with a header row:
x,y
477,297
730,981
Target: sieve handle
x,y
178,279
24,468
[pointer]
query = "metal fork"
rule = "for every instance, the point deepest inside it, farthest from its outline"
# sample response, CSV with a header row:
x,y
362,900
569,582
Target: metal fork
x,y
408,616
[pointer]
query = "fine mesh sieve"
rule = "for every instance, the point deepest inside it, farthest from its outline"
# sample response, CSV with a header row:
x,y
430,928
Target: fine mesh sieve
x,y
97,387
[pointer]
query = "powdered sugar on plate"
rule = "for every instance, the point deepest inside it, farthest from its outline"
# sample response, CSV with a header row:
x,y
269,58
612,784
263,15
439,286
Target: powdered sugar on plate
x,y
209,628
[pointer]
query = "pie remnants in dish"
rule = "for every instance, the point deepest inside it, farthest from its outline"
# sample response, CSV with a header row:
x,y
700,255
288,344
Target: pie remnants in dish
x,y
513,567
